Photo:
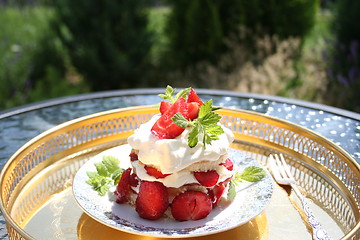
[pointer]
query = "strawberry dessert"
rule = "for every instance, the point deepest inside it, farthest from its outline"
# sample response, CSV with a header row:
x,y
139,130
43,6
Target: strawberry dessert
x,y
179,160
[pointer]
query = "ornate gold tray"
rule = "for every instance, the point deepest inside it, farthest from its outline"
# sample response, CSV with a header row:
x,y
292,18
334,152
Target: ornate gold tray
x,y
37,202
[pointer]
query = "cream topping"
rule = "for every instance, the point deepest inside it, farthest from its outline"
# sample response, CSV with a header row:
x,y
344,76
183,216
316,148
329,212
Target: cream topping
x,y
173,155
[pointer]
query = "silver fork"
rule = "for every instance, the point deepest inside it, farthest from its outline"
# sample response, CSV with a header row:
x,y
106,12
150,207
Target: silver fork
x,y
282,175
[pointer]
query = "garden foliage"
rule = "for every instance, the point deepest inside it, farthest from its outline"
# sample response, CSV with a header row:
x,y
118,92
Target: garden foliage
x,y
34,64
107,41
197,29
343,57
69,47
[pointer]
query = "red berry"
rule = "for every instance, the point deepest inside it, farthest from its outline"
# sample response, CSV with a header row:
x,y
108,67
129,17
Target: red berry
x,y
193,97
123,187
133,156
152,200
228,164
154,172
164,106
165,127
218,190
207,179
133,180
191,205
193,110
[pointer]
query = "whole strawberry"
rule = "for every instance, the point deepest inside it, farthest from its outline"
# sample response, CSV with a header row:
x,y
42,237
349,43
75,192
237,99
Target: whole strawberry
x,y
152,200
191,205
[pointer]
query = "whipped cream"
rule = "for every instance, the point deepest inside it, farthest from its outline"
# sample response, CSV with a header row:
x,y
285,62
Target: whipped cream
x,y
173,155
180,178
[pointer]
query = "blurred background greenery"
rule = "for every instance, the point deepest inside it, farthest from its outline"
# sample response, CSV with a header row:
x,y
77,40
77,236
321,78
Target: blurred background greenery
x,y
304,49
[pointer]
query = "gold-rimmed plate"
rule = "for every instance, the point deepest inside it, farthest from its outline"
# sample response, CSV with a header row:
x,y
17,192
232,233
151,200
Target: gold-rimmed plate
x,y
250,201
36,181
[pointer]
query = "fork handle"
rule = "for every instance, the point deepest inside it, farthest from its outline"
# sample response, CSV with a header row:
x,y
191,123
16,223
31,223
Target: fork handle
x,y
318,232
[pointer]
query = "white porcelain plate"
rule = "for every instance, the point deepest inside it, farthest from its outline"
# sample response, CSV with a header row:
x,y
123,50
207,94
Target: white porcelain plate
x,y
249,203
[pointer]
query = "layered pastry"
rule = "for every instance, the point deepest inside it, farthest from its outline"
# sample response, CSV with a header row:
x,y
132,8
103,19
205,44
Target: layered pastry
x,y
179,160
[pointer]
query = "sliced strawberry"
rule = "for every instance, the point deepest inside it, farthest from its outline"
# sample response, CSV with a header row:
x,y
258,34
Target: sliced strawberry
x,y
218,190
228,164
123,187
133,180
154,172
165,127
207,179
152,201
193,110
191,205
193,97
133,156
164,106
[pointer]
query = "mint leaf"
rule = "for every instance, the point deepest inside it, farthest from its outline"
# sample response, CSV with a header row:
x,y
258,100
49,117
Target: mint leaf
x,y
101,169
216,108
100,184
253,174
179,119
103,187
212,132
193,138
205,109
210,118
92,174
107,172
111,163
183,93
169,94
205,126
117,175
250,174
231,191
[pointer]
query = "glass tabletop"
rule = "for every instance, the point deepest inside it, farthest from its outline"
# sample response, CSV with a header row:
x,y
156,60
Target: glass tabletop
x,y
19,125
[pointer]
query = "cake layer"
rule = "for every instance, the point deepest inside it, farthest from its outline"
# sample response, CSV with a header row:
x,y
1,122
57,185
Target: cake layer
x,y
185,176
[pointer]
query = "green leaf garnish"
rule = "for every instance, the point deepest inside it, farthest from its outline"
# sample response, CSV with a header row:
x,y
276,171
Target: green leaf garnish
x,y
111,163
117,175
107,172
180,120
231,191
253,174
99,183
169,94
250,174
204,128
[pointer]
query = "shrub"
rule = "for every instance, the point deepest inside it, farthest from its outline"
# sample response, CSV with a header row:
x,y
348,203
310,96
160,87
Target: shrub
x,y
33,63
195,32
52,74
107,41
20,31
343,57
197,29
237,70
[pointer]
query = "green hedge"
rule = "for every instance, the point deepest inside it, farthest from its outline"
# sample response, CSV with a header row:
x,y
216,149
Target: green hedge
x,y
21,30
343,56
34,65
197,29
107,41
